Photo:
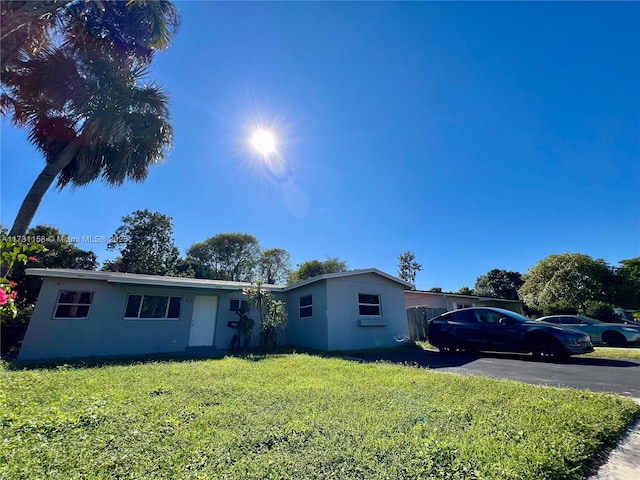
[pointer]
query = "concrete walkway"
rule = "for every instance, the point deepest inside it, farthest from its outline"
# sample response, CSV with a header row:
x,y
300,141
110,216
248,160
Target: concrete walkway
x,y
624,461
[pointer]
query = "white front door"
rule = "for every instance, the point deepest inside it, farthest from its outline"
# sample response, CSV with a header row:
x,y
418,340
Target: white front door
x,y
203,321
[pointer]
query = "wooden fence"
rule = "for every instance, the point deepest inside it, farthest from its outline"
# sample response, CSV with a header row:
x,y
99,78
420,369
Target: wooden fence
x,y
418,318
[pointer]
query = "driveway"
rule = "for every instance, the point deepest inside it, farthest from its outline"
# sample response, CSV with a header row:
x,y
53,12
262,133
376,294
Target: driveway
x,y
596,374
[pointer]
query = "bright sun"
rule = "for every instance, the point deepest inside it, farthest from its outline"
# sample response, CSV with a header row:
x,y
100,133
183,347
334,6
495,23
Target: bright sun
x,y
264,142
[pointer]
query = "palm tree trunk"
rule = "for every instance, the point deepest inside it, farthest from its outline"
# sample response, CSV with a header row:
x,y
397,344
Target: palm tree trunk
x,y
39,188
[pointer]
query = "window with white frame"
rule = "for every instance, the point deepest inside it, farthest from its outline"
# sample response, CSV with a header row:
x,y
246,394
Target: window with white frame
x,y
73,304
306,306
369,304
153,306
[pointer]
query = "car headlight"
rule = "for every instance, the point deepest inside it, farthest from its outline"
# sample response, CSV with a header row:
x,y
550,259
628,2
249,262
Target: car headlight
x,y
580,340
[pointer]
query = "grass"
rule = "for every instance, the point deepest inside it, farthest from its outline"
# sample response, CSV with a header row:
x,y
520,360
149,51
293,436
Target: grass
x,y
296,416
612,352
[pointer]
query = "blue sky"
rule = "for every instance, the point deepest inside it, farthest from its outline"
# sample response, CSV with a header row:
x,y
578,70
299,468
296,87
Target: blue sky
x,y
477,135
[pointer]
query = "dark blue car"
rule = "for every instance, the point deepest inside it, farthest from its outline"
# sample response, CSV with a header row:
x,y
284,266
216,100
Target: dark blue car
x,y
495,329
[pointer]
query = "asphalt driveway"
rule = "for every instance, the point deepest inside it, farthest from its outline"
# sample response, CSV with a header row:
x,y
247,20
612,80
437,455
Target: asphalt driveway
x,y
596,374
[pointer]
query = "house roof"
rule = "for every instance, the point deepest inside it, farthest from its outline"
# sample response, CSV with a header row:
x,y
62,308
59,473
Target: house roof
x,y
140,279
350,273
165,281
471,297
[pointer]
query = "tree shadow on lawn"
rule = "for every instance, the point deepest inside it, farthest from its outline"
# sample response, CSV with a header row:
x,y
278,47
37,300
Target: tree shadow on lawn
x,y
410,355
434,359
127,360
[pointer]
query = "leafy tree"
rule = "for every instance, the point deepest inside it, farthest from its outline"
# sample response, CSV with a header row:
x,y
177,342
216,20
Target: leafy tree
x,y
565,283
499,284
599,310
52,249
72,75
146,244
273,314
13,254
627,293
436,289
227,256
408,267
465,291
275,265
258,298
274,321
314,268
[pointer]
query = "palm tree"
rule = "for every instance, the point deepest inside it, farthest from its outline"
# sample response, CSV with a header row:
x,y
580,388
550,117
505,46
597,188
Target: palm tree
x,y
78,89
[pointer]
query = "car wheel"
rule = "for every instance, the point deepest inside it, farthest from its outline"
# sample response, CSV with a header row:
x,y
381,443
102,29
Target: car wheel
x,y
544,348
614,339
447,344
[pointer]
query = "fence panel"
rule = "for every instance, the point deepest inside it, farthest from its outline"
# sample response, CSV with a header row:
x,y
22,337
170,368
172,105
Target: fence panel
x,y
418,317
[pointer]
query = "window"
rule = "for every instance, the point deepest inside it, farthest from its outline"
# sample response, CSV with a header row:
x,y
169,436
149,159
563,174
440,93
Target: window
x,y
73,304
306,306
153,306
488,316
464,316
369,304
238,306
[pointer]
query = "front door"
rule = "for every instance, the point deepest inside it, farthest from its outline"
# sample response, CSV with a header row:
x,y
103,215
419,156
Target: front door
x,y
203,321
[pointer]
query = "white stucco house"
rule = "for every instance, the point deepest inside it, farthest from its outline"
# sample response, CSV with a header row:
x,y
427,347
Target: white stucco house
x,y
87,313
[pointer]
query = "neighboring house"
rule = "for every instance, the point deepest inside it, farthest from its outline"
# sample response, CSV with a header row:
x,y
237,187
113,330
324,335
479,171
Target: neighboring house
x,y
86,313
422,306
453,301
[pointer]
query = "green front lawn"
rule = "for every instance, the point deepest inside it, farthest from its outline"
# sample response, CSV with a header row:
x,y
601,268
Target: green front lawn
x,y
299,417
611,352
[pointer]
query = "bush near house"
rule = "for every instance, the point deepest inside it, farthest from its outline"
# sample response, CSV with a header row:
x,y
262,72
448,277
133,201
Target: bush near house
x,y
296,416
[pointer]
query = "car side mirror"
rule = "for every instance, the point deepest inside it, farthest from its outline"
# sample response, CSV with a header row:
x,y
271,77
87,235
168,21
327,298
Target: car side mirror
x,y
506,321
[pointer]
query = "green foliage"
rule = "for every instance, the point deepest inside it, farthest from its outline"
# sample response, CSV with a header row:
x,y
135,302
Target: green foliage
x,y
258,298
599,310
628,291
14,255
275,265
275,320
146,245
566,282
436,289
52,249
408,267
314,268
72,74
466,291
226,256
297,416
499,284
273,314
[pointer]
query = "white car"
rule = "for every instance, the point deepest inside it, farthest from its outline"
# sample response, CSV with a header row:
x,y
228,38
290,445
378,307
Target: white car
x,y
613,334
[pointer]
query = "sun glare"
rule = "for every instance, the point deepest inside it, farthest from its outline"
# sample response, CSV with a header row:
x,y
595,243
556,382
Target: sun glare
x,y
264,142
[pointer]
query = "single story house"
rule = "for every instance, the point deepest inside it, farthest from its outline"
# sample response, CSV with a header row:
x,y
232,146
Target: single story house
x,y
83,313
454,301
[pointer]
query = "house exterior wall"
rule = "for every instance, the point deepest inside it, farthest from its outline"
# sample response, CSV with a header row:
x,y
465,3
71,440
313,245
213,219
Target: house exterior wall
x,y
348,330
451,301
335,322
437,300
307,331
104,332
